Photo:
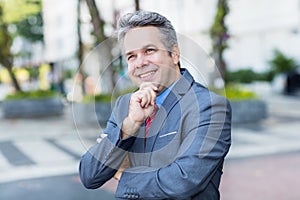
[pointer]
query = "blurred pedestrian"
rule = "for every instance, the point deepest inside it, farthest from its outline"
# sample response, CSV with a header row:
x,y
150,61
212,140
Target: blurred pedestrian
x,y
167,140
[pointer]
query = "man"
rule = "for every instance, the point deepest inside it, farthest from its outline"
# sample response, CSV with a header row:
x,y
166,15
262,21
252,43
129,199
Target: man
x,y
171,135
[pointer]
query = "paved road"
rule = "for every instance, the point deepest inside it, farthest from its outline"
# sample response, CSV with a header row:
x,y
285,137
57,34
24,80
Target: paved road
x,y
44,153
66,187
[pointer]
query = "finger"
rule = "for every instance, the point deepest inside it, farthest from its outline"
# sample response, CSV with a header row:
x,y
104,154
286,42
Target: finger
x,y
145,85
137,99
143,101
151,96
149,85
141,98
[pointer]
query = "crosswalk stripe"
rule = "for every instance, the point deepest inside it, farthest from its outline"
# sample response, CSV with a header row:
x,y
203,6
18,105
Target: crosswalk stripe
x,y
36,171
49,160
3,162
14,155
64,148
41,151
76,145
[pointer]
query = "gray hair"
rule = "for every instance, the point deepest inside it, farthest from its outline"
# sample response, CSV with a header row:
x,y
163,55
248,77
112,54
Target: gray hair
x,y
146,18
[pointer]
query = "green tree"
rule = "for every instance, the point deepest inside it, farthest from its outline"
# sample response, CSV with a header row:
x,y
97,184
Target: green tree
x,y
31,27
281,63
17,10
80,50
6,57
12,14
219,35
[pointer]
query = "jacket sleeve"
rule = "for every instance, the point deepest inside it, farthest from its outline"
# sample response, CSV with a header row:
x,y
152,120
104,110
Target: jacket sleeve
x,y
200,156
101,161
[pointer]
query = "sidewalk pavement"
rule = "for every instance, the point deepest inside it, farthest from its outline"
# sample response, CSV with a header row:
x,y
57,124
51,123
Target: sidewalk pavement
x,y
263,163
260,161
271,177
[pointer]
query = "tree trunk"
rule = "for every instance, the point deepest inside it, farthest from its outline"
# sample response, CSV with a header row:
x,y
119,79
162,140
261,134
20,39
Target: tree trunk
x,y
80,50
105,59
8,65
14,79
106,73
97,22
219,35
6,58
137,4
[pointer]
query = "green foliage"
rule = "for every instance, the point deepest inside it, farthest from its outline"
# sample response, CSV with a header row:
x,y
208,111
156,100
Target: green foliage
x,y
13,13
98,98
245,76
106,97
33,72
280,63
235,92
17,10
38,94
68,73
25,16
218,28
31,27
5,40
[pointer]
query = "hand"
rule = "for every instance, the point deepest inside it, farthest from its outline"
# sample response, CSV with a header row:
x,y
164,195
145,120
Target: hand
x,y
142,102
140,108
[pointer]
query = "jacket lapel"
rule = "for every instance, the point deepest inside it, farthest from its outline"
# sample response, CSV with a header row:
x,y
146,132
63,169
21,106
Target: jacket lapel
x,y
178,91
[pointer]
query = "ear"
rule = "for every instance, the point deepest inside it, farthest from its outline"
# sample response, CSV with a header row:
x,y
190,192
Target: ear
x,y
175,54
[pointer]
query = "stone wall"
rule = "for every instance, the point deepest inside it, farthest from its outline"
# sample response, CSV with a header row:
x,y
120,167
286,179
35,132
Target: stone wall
x,y
248,111
27,108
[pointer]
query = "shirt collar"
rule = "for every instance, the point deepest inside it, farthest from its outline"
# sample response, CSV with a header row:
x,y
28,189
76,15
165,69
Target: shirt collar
x,y
162,96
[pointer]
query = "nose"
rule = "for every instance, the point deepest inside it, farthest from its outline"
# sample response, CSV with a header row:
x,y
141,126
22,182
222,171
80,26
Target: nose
x,y
141,61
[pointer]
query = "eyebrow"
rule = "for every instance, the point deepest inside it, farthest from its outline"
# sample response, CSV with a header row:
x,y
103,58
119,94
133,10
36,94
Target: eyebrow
x,y
144,47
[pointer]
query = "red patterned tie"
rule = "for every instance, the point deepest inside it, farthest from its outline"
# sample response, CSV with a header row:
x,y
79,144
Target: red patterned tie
x,y
149,121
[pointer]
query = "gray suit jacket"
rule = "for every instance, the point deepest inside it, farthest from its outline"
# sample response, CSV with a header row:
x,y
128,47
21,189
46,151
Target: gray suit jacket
x,y
184,152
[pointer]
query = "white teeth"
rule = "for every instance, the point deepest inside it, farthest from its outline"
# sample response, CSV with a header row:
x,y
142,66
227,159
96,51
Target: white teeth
x,y
147,74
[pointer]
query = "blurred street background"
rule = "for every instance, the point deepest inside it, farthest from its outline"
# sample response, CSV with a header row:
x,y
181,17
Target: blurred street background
x,y
60,71
39,158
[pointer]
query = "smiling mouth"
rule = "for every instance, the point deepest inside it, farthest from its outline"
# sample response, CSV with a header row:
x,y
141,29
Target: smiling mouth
x,y
147,75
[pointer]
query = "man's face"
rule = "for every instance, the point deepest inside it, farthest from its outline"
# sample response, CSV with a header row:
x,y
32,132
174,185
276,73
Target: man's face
x,y
148,59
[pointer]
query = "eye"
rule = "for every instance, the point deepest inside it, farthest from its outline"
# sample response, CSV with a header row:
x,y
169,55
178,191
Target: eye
x,y
130,57
149,50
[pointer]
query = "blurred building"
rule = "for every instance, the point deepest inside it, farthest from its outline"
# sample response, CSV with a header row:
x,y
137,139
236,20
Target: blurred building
x,y
60,28
256,27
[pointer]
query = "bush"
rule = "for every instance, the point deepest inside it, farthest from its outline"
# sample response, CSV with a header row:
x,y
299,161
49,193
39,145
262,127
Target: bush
x,y
106,97
240,76
38,94
245,76
236,92
280,63
97,98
